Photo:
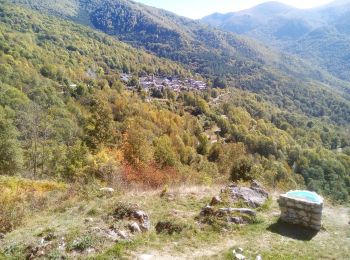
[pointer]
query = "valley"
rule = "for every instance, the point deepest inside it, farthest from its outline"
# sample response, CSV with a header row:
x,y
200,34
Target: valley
x,y
125,130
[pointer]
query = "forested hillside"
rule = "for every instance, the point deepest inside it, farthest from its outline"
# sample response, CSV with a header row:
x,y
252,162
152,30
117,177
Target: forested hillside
x,y
66,115
109,149
320,35
288,82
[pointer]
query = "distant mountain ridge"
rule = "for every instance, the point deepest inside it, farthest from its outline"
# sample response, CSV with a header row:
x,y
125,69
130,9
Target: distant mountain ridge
x,y
320,34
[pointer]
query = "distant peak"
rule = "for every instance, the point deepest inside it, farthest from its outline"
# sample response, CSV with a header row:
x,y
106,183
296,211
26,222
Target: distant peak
x,y
273,6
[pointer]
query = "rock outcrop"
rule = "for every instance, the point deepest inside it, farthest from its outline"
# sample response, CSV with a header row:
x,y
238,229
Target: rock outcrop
x,y
229,215
136,216
254,196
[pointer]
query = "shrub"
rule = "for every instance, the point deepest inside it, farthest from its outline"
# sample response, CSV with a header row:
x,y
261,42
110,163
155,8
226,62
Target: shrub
x,y
20,197
241,170
149,175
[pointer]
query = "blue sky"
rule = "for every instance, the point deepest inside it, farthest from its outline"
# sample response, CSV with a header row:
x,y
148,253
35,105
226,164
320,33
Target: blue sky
x,y
199,8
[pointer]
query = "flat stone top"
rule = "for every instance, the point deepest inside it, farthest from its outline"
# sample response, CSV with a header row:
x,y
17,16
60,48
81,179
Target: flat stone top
x,y
304,196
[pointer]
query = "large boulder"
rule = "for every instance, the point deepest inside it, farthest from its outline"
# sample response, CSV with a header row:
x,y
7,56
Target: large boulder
x,y
254,196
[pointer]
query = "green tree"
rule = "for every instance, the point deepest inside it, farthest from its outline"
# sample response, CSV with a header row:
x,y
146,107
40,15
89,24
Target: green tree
x,y
99,128
10,149
204,145
241,169
163,152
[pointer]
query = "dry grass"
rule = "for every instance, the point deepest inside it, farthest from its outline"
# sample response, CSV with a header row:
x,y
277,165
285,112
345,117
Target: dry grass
x,y
20,197
196,241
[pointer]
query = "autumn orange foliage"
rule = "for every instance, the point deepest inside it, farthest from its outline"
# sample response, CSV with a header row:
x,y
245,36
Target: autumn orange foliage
x,y
149,175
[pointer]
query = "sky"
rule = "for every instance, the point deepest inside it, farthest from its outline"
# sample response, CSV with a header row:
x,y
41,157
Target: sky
x,y
199,8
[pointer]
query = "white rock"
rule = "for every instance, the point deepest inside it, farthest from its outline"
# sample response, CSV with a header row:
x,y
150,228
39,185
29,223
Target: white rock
x,y
62,244
90,250
239,257
238,254
87,220
239,250
135,228
112,235
123,234
145,257
258,257
108,190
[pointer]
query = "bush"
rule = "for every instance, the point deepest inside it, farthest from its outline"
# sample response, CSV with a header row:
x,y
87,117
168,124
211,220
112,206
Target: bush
x,y
149,175
241,170
20,197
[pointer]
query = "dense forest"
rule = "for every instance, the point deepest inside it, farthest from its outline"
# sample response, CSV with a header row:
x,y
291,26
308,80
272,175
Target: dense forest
x,y
65,115
128,132
290,83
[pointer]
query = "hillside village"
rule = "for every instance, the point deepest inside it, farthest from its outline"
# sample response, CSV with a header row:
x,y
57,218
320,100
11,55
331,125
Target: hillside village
x,y
159,82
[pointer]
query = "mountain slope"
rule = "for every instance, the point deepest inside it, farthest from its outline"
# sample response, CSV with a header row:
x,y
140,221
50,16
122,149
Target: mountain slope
x,y
213,53
320,35
66,116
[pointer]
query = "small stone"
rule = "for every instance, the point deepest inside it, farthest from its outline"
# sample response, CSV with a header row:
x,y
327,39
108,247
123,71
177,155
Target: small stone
x,y
215,201
62,244
207,211
40,253
107,190
239,256
239,250
123,234
143,219
145,257
88,220
112,235
135,228
258,257
90,250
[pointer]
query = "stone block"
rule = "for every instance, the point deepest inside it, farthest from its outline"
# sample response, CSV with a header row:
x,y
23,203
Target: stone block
x,y
299,206
302,213
317,210
315,227
316,217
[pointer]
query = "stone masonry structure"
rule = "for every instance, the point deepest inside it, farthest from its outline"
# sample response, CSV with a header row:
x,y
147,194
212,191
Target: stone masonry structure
x,y
301,212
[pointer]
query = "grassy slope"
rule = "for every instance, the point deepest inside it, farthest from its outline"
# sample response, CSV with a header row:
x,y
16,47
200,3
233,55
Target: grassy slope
x,y
197,241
